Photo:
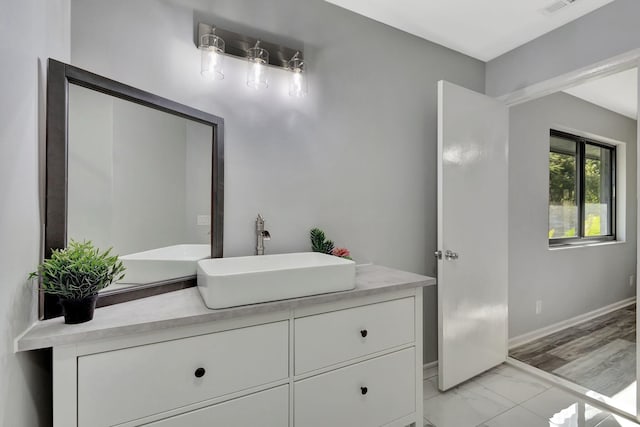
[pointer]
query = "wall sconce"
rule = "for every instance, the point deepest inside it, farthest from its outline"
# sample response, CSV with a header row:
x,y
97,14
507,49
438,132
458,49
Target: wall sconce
x,y
212,55
216,43
298,85
257,58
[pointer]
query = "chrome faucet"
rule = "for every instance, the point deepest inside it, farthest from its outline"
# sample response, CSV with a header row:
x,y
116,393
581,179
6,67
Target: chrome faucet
x,y
261,235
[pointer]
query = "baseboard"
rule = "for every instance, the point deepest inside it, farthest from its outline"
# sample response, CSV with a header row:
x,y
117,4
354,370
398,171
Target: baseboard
x,y
548,330
430,365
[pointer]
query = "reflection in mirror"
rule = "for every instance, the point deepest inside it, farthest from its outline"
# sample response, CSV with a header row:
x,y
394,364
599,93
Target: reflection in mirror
x,y
584,140
139,180
131,170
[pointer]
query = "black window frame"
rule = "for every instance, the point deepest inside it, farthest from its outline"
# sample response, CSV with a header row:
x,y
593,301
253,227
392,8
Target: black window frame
x,y
580,238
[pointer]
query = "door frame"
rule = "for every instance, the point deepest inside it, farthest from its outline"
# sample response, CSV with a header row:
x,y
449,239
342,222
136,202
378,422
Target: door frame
x,y
607,67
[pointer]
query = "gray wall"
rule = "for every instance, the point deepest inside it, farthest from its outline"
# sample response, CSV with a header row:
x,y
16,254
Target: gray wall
x,y
30,30
138,177
90,168
357,157
198,181
149,194
572,281
602,34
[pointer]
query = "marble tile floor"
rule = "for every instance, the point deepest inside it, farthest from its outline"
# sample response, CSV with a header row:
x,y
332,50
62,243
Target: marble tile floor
x,y
508,397
598,354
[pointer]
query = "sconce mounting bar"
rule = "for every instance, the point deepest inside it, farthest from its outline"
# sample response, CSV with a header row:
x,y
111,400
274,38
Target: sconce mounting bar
x,y
237,45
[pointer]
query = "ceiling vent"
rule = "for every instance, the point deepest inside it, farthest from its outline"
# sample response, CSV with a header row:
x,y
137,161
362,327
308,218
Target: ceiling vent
x,y
556,6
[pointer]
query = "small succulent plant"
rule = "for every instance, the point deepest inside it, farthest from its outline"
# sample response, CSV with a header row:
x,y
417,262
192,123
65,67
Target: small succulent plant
x,y
320,243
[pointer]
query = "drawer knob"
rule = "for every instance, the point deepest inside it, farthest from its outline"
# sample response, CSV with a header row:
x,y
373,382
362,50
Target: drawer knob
x,y
200,372
364,390
364,333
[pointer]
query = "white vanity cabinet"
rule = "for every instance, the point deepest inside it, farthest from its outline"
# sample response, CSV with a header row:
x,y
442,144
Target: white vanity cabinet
x,y
127,384
375,392
265,408
343,359
326,339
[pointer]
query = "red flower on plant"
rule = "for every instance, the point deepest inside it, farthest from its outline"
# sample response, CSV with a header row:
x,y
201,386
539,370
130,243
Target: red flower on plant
x,y
341,252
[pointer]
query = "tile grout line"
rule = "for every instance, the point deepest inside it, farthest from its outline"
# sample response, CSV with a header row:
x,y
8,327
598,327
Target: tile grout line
x,y
516,403
535,395
474,382
496,416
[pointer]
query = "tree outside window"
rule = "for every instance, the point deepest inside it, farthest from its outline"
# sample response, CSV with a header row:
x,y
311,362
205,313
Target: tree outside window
x,y
581,189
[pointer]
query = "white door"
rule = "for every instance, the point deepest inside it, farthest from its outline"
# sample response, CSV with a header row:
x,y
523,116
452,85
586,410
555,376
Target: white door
x,y
472,233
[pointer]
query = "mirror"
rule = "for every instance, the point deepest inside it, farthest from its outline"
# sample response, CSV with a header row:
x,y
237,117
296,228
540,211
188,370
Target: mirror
x,y
139,181
575,153
134,172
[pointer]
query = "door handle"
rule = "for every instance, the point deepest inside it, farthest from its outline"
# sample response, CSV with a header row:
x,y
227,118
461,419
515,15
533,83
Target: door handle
x,y
438,254
450,255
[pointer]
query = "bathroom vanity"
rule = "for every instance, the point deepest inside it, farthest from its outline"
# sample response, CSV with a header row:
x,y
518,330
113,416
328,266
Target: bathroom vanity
x,y
351,358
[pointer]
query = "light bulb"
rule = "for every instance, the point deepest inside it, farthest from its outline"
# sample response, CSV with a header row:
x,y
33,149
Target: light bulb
x,y
211,56
298,83
212,64
256,77
257,59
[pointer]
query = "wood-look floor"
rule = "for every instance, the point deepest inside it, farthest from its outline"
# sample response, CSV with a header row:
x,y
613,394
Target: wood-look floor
x,y
599,354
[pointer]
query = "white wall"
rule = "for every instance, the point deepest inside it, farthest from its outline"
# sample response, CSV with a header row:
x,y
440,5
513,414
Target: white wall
x,y
357,157
30,31
602,34
569,281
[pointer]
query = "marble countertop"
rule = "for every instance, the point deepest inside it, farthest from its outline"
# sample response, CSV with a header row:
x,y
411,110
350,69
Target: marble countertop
x,y
185,307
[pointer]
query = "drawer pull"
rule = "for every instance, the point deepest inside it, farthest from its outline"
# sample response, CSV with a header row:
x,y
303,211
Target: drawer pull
x,y
364,333
364,390
200,372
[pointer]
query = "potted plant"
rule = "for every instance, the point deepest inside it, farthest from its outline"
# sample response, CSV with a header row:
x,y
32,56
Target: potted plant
x,y
319,243
76,274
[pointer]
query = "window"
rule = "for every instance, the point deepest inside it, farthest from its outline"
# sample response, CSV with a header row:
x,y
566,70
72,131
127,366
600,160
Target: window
x,y
581,189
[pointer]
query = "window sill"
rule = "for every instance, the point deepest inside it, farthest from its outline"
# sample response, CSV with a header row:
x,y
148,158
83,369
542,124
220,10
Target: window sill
x,y
561,247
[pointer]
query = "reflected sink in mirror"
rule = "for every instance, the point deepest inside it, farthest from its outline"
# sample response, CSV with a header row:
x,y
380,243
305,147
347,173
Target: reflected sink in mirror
x,y
140,183
134,172
230,282
157,265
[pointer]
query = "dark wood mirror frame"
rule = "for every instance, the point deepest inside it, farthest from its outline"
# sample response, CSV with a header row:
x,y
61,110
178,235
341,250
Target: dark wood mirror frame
x,y
59,76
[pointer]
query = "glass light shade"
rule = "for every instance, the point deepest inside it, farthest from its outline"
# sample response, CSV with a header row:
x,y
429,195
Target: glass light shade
x,y
298,81
257,59
212,58
298,84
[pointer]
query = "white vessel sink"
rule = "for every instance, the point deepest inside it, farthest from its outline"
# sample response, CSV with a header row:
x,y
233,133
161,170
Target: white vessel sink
x,y
170,262
230,282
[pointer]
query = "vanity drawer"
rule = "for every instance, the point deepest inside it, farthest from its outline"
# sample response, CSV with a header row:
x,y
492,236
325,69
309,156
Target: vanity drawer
x,y
127,384
367,394
265,409
329,338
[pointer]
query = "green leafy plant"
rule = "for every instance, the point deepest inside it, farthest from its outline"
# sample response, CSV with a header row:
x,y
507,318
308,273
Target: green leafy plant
x,y
78,271
319,242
